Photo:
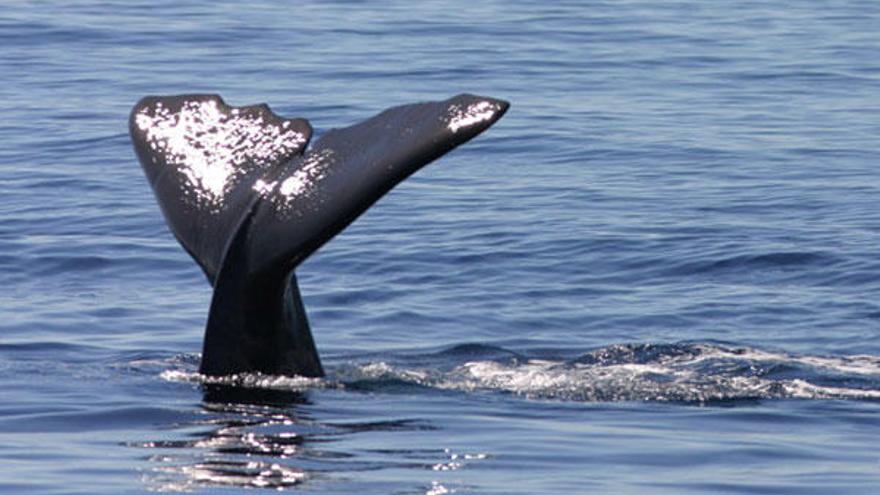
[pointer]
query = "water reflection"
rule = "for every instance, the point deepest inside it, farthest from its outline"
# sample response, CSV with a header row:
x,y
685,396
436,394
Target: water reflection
x,y
248,438
266,438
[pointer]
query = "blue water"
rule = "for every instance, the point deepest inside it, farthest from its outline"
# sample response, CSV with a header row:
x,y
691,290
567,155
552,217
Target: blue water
x,y
658,273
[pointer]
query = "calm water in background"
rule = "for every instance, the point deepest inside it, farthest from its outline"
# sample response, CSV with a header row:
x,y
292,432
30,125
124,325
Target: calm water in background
x,y
657,274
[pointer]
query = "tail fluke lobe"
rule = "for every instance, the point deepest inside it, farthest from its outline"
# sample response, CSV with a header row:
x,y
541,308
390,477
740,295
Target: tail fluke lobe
x,y
347,170
202,158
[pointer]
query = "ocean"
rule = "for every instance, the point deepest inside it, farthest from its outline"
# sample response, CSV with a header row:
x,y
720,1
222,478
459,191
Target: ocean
x,y
657,274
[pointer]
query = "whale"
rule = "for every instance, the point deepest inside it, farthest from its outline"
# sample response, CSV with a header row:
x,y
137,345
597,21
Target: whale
x,y
249,199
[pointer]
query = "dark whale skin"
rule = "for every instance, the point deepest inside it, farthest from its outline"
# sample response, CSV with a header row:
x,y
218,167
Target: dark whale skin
x,y
248,202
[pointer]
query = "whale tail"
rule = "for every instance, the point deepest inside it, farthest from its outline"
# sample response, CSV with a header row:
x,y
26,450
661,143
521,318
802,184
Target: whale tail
x,y
249,204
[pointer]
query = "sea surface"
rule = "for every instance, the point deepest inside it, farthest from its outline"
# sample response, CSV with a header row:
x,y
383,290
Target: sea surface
x,y
659,273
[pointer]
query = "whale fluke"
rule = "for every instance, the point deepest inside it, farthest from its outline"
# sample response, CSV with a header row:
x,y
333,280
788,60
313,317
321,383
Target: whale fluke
x,y
247,203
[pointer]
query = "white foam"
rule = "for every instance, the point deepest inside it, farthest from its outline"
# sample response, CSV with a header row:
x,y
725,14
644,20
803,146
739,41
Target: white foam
x,y
703,373
249,380
678,377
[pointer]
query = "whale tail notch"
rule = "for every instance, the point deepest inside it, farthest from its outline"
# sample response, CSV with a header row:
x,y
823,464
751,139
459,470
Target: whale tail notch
x,y
249,205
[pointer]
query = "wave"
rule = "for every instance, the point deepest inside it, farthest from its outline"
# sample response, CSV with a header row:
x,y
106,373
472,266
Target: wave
x,y
679,372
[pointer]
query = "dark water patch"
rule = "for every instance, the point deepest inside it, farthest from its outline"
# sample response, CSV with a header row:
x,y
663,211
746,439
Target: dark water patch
x,y
46,358
360,296
473,351
46,265
379,378
90,419
93,145
391,425
219,396
761,263
41,348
